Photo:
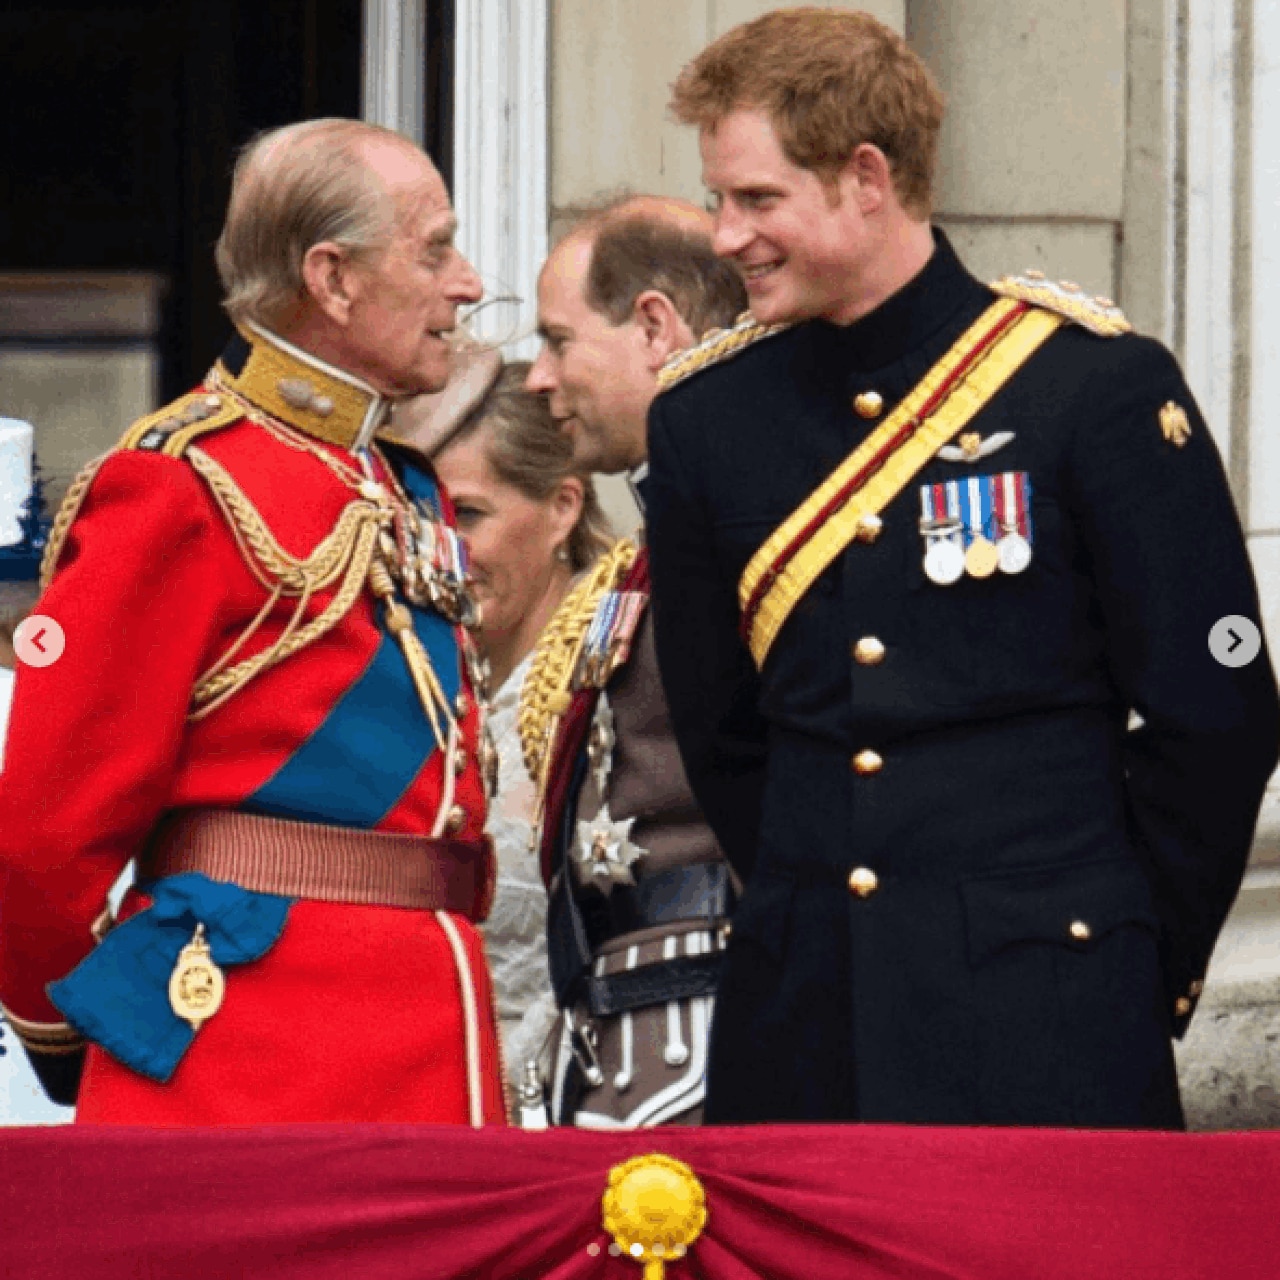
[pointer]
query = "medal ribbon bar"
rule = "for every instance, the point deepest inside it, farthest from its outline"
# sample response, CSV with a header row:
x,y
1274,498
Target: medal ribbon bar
x,y
950,395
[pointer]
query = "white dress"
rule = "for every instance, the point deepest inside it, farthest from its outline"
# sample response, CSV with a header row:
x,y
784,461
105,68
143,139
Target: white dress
x,y
6,697
21,1099
515,933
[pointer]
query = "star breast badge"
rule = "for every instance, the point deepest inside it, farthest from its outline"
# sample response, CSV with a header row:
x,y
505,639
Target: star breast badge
x,y
605,855
1174,424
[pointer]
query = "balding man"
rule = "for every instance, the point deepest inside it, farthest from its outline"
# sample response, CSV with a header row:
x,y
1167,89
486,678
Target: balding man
x,y
265,699
640,894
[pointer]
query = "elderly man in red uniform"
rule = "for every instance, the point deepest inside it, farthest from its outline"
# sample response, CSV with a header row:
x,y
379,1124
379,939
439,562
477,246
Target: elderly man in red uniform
x,y
265,698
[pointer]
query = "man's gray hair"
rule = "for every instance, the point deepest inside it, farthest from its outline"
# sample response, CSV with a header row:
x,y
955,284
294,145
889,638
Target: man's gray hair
x,y
293,188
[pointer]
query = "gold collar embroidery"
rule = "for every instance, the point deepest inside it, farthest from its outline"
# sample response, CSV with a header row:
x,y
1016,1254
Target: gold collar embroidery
x,y
303,391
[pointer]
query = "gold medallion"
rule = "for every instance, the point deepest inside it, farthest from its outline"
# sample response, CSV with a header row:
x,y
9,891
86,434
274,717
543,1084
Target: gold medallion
x,y
196,985
655,1209
982,558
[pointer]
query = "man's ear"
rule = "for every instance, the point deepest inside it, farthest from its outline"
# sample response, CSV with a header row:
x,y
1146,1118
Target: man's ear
x,y
661,327
867,178
329,281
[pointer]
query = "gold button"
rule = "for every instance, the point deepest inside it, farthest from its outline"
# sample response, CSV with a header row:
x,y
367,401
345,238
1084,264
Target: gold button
x,y
868,651
460,705
460,762
869,528
1182,1006
1196,989
863,882
456,821
1080,931
870,404
868,762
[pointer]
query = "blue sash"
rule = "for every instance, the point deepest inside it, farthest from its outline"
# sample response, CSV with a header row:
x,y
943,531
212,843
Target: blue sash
x,y
118,996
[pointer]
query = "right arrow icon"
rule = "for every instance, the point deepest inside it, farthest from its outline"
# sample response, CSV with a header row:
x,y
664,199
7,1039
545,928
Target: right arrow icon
x,y
1235,641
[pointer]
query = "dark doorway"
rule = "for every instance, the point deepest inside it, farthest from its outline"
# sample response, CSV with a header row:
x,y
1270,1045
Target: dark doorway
x,y
123,123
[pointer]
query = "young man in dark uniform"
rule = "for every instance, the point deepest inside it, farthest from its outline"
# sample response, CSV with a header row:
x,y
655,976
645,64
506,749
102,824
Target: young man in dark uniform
x,y
935,567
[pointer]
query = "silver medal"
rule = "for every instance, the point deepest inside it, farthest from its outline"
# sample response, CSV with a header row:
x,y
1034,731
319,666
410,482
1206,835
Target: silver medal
x,y
944,561
1015,553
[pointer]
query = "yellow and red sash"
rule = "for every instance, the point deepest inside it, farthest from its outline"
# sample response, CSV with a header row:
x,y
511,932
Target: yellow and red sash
x,y
949,396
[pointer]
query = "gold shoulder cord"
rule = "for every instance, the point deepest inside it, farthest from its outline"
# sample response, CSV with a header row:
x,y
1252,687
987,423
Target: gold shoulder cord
x,y
346,553
180,421
67,512
351,554
546,693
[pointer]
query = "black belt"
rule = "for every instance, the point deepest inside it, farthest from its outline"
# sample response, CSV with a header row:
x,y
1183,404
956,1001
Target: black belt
x,y
580,922
679,979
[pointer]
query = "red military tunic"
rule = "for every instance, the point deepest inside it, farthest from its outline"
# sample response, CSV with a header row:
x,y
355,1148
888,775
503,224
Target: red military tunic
x,y
357,1012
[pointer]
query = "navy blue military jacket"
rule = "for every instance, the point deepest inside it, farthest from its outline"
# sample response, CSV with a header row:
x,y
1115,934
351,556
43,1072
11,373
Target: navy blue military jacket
x,y
1047,880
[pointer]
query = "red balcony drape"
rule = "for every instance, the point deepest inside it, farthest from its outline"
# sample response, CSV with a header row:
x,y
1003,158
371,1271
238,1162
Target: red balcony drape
x,y
868,1203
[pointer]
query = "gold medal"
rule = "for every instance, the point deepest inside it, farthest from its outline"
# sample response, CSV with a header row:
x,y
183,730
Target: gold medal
x,y
982,558
196,985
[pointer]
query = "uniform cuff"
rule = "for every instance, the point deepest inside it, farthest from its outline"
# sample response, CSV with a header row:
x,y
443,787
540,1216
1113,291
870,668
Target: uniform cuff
x,y
47,1038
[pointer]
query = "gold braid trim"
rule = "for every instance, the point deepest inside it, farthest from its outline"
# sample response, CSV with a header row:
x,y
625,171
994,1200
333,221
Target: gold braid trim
x,y
65,518
1099,315
546,692
52,1038
346,553
716,345
171,428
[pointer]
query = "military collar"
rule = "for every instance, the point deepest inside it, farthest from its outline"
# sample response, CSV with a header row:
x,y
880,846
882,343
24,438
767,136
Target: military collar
x,y
922,307
301,390
638,483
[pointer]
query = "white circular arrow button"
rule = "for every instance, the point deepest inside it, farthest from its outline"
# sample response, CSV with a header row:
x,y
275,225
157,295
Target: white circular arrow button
x,y
1235,641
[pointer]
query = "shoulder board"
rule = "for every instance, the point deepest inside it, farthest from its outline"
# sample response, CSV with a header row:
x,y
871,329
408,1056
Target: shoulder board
x,y
547,690
1098,315
168,430
171,429
716,346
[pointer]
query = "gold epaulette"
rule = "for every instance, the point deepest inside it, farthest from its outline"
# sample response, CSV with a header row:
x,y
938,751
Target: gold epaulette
x,y
547,689
716,346
171,429
1099,315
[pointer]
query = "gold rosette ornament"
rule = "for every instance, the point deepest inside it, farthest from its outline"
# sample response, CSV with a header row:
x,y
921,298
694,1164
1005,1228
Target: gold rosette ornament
x,y
654,1208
